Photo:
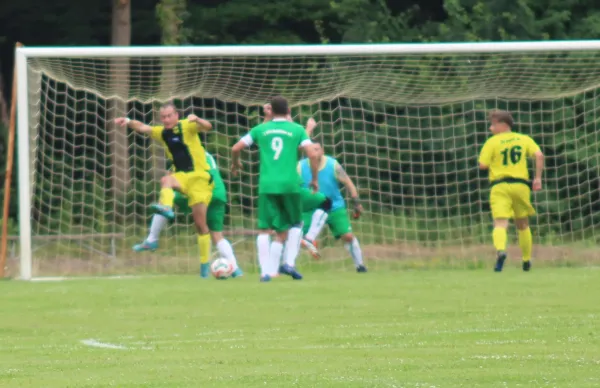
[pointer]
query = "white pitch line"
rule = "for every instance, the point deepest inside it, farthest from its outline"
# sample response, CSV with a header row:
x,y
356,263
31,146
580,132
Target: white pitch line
x,y
117,277
98,344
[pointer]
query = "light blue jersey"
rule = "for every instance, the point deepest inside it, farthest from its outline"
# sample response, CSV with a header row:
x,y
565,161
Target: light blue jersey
x,y
328,183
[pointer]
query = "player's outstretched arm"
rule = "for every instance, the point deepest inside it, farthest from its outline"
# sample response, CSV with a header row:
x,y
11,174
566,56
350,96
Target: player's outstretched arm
x,y
236,150
137,126
311,124
343,178
201,124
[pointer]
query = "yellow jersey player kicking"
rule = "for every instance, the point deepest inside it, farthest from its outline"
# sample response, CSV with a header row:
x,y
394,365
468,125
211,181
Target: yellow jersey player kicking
x,y
191,178
215,219
505,156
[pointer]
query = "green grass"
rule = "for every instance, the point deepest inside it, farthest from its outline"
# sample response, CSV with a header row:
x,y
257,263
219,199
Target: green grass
x,y
381,329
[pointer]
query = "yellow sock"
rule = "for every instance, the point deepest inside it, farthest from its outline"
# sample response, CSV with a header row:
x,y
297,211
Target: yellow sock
x,y
204,247
499,237
167,197
526,243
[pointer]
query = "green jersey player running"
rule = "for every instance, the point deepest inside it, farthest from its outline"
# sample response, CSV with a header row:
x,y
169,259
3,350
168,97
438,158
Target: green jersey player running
x,y
279,202
215,218
331,174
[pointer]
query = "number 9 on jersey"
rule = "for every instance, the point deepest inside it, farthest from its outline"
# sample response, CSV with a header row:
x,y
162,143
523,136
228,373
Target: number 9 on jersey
x,y
277,147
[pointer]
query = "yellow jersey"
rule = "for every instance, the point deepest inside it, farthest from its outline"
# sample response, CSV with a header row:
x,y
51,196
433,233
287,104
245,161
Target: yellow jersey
x,y
506,155
183,146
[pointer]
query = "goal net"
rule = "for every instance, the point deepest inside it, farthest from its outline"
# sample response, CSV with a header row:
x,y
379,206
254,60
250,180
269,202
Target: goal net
x,y
406,121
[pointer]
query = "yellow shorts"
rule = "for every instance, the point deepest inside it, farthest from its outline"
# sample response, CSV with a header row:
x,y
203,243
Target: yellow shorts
x,y
197,185
511,200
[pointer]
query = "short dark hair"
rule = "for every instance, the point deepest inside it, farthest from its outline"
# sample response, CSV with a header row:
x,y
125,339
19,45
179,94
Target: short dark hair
x,y
502,116
280,106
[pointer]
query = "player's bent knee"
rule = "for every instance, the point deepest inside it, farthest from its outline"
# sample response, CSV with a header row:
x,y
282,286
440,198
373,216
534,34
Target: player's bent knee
x,y
501,223
522,223
168,181
348,237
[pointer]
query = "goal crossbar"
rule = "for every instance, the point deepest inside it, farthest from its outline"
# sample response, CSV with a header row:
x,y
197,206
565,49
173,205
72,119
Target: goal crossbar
x,y
308,50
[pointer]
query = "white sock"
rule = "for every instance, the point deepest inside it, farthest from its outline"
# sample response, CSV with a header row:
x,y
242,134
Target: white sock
x,y
226,250
355,251
292,246
262,245
275,257
317,223
157,224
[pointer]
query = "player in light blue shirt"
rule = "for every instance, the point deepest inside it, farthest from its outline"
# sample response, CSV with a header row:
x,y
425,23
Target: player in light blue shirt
x,y
331,175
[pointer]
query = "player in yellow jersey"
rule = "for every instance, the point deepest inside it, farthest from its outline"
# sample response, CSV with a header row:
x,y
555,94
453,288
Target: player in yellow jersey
x,y
192,178
505,156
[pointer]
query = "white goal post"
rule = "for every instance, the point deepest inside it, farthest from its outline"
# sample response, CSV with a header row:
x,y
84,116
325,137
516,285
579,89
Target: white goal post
x,y
407,121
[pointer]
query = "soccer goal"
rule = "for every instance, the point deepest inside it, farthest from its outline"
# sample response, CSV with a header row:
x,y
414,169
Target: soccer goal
x,y
405,120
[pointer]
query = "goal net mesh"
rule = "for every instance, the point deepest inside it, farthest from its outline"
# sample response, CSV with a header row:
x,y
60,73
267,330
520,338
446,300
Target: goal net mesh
x,y
407,128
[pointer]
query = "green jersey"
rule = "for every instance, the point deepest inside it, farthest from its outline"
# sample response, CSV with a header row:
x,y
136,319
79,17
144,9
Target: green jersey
x,y
219,192
278,142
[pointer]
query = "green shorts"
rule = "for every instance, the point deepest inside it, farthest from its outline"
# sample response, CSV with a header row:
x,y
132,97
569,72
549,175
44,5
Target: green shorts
x,y
279,211
311,201
215,214
338,222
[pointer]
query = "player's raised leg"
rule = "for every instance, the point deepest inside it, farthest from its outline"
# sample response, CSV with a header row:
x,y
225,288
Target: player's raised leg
x,y
166,200
159,222
310,246
215,218
314,208
318,220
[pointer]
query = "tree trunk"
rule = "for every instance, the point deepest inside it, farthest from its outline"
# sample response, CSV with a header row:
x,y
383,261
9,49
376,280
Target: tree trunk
x,y
121,36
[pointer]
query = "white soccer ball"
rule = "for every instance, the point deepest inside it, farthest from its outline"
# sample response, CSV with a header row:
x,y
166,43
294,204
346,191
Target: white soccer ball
x,y
221,268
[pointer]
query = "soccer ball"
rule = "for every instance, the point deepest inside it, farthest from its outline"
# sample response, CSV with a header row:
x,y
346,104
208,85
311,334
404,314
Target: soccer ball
x,y
221,268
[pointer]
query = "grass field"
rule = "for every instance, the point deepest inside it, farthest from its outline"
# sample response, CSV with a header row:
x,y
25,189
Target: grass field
x,y
389,329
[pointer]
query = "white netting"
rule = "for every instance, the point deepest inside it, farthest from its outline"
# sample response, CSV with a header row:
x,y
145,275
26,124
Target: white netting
x,y
407,128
